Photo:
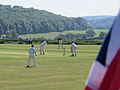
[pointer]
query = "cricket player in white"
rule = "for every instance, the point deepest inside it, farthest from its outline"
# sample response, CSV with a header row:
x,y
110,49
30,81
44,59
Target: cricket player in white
x,y
42,47
32,53
73,49
60,43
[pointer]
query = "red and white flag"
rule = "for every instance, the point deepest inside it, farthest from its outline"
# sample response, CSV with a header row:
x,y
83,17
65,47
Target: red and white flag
x,y
105,71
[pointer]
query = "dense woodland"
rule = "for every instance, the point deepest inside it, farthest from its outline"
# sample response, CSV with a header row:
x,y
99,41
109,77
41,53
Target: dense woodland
x,y
19,20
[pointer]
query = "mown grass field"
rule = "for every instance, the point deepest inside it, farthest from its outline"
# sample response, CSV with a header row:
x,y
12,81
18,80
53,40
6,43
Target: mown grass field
x,y
52,35
52,72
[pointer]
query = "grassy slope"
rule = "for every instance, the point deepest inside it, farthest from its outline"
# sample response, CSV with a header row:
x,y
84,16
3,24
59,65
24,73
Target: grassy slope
x,y
53,71
52,35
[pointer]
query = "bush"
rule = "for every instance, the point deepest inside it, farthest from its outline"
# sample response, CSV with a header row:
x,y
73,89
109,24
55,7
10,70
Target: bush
x,y
2,42
68,42
87,42
20,42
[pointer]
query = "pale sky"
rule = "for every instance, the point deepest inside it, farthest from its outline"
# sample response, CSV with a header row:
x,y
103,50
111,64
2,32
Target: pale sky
x,y
70,8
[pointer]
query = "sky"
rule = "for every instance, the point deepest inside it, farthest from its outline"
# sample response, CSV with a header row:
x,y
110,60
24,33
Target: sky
x,y
70,8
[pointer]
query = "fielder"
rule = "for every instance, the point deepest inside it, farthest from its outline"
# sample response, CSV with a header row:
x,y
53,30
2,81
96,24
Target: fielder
x,y
32,53
73,49
42,47
60,43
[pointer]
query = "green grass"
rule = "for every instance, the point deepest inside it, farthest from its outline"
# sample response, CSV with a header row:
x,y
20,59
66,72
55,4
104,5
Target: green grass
x,y
52,35
52,72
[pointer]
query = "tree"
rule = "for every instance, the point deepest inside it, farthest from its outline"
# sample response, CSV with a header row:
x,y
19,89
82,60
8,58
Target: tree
x,y
78,36
84,36
90,33
60,36
1,30
30,20
102,35
8,34
14,34
70,36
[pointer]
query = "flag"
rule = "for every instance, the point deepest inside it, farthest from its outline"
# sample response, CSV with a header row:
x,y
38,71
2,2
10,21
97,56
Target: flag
x,y
105,71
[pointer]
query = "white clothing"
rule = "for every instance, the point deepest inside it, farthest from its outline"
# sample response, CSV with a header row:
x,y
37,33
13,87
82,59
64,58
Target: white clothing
x,y
33,58
42,46
30,39
73,49
32,52
60,44
60,41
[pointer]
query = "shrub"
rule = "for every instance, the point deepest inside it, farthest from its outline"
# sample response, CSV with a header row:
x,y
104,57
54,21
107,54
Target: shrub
x,y
2,42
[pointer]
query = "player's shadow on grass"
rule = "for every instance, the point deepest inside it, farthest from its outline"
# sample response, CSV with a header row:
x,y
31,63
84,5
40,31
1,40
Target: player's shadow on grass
x,y
29,66
72,56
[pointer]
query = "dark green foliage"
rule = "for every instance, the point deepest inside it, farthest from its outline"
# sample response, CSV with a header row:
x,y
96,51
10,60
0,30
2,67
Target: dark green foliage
x,y
2,41
20,42
68,42
66,37
8,41
102,35
86,42
90,33
84,36
32,21
72,37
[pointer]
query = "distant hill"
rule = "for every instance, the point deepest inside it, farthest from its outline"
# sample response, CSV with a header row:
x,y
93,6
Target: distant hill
x,y
31,21
97,17
100,22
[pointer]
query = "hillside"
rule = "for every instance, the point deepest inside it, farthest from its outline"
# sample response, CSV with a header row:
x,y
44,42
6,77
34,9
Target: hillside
x,y
31,21
97,17
100,22
52,35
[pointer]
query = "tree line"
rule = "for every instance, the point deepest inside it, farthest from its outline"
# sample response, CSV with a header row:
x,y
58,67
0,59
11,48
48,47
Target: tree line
x,y
89,35
18,20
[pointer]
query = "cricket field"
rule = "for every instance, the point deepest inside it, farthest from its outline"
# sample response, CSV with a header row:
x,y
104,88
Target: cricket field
x,y
53,71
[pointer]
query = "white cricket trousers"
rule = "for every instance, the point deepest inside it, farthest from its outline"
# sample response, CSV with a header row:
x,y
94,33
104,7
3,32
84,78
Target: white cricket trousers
x,y
74,52
60,45
33,58
42,50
